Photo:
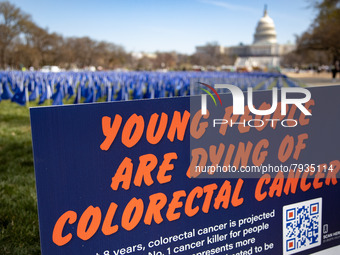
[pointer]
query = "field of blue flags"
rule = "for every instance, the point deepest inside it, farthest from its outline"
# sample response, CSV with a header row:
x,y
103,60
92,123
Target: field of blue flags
x,y
89,87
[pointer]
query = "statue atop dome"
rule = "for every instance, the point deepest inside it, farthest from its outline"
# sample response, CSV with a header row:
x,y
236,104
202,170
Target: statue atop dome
x,y
265,31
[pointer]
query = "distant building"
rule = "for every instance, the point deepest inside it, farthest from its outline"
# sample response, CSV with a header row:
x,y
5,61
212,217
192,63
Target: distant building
x,y
264,53
215,49
140,55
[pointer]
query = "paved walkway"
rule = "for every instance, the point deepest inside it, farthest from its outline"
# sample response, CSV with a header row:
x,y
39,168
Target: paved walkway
x,y
315,79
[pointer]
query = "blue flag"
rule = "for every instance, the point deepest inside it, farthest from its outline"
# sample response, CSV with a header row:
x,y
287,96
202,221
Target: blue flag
x,y
6,92
99,92
70,91
91,96
20,97
35,93
109,93
46,95
77,100
58,98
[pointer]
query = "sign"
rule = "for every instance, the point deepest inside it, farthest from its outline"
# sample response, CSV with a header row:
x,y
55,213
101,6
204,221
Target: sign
x,y
122,178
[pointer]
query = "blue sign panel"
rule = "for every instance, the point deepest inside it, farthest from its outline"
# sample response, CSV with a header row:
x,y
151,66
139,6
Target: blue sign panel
x,y
120,178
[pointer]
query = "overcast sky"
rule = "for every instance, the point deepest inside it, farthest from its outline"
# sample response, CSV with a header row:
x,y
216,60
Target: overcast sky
x,y
180,25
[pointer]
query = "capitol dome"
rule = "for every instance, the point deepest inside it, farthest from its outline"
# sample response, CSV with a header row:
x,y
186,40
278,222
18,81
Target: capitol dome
x,y
265,31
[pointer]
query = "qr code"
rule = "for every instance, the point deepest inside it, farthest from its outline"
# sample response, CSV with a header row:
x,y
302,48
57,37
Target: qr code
x,y
302,226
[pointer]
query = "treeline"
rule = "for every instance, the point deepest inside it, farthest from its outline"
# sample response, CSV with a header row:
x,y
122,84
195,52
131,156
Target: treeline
x,y
24,44
320,44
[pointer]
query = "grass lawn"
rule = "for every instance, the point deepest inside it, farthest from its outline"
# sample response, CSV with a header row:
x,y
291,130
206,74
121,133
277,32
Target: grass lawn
x,y
19,228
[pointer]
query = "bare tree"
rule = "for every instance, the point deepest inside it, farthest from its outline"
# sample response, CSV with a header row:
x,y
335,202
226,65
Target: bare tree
x,y
12,20
324,32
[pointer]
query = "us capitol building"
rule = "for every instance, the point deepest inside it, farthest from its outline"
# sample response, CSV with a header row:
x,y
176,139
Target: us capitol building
x,y
264,53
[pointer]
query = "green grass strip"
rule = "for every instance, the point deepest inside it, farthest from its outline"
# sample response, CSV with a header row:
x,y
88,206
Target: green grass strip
x,y
272,85
260,85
